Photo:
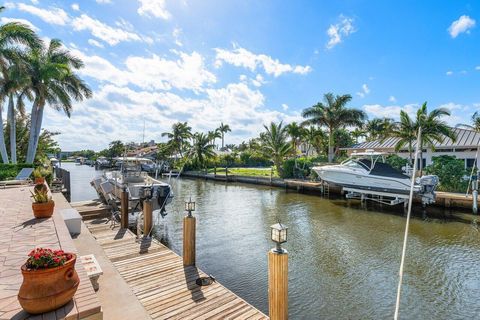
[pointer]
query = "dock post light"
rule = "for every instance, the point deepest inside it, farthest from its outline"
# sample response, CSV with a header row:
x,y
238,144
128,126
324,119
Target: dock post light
x,y
278,274
189,234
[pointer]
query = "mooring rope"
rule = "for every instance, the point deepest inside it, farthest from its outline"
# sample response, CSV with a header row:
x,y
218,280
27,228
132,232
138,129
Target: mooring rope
x,y
407,225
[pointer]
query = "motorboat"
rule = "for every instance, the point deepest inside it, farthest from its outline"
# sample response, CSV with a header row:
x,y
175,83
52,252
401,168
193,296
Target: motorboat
x,y
369,173
102,162
137,183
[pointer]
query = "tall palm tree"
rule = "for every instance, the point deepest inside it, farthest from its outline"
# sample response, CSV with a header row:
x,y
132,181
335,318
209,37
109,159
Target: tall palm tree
x,y
475,123
11,35
434,129
213,135
314,138
224,128
53,82
405,131
358,133
275,144
178,138
378,128
295,132
202,149
333,114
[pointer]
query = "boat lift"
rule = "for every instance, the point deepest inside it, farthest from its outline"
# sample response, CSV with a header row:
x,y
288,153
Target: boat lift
x,y
376,196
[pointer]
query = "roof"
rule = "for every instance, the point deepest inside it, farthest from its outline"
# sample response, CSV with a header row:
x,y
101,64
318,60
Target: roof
x,y
465,139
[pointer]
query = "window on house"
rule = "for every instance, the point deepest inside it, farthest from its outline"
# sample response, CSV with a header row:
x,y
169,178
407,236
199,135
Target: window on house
x,y
470,162
424,164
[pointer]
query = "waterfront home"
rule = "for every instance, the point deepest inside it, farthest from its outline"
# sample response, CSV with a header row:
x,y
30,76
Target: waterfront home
x,y
464,147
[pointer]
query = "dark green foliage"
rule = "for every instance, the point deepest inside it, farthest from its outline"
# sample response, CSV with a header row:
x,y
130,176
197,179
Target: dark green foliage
x,y
297,168
9,171
396,161
254,159
451,172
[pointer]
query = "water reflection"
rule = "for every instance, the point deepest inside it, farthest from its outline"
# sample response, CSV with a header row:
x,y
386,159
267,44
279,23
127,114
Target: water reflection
x,y
343,259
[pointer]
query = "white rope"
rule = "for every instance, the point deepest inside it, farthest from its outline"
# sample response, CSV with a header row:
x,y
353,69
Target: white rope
x,y
407,225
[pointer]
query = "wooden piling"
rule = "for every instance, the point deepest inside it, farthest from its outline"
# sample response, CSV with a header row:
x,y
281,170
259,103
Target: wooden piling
x,y
189,230
278,285
147,217
124,208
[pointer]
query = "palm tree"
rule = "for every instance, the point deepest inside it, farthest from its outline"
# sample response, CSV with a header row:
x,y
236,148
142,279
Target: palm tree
x,y
405,131
333,114
475,123
224,128
434,129
295,132
53,82
202,149
11,35
378,128
275,145
178,138
314,138
213,135
357,133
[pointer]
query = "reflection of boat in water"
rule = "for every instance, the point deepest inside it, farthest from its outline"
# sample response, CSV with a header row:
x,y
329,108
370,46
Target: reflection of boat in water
x,y
139,186
367,173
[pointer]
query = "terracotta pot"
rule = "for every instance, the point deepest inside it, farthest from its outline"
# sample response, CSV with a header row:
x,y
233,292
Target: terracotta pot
x,y
45,290
43,210
40,180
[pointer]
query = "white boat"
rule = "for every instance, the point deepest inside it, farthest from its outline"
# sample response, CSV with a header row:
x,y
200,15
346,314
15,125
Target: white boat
x,y
367,172
138,184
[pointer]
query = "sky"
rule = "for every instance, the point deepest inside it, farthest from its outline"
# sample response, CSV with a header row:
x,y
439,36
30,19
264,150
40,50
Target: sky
x,y
247,63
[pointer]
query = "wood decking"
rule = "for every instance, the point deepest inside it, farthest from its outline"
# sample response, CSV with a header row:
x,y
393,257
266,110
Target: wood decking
x,y
163,285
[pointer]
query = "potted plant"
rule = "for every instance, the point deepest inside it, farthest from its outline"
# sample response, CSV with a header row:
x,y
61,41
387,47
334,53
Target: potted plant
x,y
49,280
43,204
39,176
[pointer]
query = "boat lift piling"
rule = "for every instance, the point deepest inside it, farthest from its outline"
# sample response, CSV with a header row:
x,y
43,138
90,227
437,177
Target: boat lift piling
x,y
475,193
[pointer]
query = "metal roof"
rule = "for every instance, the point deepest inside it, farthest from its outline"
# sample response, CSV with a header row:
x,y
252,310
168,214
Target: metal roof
x,y
465,139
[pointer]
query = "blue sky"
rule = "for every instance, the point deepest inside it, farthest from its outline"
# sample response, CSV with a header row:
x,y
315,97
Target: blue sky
x,y
247,63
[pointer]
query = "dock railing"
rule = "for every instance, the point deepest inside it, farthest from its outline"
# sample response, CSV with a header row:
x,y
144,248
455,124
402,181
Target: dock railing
x,y
64,175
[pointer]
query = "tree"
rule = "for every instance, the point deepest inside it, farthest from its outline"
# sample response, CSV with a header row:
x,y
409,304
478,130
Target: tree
x,y
11,35
378,128
213,135
314,138
178,138
434,129
333,114
475,123
275,145
295,132
224,128
405,132
53,82
202,150
116,148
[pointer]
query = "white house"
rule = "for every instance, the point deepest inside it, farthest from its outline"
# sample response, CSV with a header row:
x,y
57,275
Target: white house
x,y
465,147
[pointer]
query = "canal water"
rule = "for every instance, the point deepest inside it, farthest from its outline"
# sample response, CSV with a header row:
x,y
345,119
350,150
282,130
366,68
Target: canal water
x,y
343,260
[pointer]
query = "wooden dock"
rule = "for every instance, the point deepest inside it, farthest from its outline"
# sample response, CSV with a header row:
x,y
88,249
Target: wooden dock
x,y
91,209
166,288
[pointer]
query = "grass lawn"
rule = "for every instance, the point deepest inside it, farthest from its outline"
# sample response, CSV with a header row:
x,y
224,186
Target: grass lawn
x,y
251,172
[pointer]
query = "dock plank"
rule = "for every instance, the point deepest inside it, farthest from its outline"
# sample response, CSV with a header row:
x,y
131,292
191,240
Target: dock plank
x,y
166,288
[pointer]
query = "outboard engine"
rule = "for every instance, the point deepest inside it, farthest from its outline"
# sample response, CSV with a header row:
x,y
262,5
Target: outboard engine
x,y
163,192
428,184
145,193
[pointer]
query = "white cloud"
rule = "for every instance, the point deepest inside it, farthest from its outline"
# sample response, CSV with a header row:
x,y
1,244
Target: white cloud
x,y
95,43
258,81
477,68
4,20
393,111
241,57
284,106
100,30
153,8
34,1
392,99
53,15
336,32
463,24
75,6
449,73
364,92
176,36
103,1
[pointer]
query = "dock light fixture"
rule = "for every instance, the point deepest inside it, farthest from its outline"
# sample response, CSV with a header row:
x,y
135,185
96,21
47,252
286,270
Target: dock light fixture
x,y
279,236
190,207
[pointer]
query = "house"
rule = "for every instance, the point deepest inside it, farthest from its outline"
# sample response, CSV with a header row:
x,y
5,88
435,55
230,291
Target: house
x,y
465,147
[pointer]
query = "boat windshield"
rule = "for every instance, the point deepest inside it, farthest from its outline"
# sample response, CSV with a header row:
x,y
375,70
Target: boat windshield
x,y
352,163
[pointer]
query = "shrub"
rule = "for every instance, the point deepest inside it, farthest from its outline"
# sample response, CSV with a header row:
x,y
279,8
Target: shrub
x,y
300,170
396,161
9,171
450,172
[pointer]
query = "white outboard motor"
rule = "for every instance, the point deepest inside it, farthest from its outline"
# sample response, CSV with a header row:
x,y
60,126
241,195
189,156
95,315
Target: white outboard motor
x,y
428,184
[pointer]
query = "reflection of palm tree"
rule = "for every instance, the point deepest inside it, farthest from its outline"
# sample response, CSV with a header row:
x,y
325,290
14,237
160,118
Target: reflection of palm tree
x,y
295,132
333,114
275,145
179,136
224,128
52,81
11,35
202,149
